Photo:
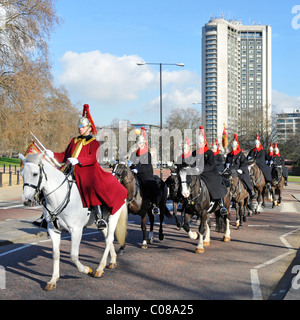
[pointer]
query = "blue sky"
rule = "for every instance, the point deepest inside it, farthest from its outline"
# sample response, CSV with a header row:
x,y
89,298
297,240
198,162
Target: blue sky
x,y
95,49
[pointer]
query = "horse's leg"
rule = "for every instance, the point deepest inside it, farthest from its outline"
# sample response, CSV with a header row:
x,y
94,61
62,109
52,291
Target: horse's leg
x,y
206,242
175,207
240,206
55,238
161,220
279,196
273,197
143,228
203,225
151,234
263,196
186,226
237,216
76,236
227,237
109,246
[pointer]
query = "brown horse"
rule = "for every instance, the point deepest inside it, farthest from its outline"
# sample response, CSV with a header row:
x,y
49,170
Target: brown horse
x,y
259,183
238,194
277,185
139,205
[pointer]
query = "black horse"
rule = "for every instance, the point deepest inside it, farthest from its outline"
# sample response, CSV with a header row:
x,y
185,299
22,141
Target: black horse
x,y
173,184
139,205
197,202
277,185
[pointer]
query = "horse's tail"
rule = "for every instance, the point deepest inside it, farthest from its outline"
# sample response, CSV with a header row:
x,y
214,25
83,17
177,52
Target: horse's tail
x,y
220,222
121,228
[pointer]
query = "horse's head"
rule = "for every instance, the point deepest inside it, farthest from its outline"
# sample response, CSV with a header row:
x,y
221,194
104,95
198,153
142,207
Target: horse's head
x,y
173,183
120,171
32,174
276,174
186,177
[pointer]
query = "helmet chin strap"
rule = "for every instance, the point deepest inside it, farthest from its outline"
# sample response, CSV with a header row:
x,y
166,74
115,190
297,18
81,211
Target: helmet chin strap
x,y
89,126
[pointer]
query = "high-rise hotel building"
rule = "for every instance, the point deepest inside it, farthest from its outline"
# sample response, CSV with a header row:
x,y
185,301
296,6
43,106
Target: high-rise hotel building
x,y
236,78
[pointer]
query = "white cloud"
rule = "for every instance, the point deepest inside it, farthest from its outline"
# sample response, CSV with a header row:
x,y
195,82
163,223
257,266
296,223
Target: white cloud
x,y
284,103
112,79
109,80
103,77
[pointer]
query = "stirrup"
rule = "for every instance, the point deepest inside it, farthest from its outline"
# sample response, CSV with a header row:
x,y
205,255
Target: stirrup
x,y
155,210
223,211
101,224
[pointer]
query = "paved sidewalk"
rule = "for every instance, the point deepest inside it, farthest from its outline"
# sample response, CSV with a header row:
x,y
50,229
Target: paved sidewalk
x,y
16,227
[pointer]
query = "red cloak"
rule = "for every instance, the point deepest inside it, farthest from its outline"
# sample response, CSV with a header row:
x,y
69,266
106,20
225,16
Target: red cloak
x,y
95,185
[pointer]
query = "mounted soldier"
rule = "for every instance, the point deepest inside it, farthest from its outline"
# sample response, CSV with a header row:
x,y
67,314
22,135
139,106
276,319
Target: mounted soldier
x,y
236,160
207,169
96,186
258,155
269,156
278,160
218,157
141,163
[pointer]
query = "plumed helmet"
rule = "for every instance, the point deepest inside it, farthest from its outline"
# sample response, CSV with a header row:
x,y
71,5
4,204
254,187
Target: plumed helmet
x,y
142,136
201,136
86,119
257,140
83,122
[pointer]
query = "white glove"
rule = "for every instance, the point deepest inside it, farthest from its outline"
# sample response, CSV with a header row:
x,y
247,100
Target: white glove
x,y
73,161
239,171
49,153
227,165
134,171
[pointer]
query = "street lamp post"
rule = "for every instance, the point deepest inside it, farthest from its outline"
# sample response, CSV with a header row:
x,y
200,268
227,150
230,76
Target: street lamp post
x,y
160,95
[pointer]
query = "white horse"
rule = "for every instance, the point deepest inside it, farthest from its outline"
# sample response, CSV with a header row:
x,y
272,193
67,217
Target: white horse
x,y
63,210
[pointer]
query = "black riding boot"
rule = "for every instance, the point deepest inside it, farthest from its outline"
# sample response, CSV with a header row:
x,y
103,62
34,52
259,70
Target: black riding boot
x,y
100,222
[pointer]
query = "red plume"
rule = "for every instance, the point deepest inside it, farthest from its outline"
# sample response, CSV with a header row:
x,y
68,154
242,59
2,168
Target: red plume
x,y
86,113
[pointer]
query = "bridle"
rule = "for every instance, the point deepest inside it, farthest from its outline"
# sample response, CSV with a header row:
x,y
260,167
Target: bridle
x,y
120,178
41,198
191,201
37,188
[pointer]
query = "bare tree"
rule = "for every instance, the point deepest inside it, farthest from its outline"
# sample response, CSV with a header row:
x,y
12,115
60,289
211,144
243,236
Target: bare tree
x,y
182,119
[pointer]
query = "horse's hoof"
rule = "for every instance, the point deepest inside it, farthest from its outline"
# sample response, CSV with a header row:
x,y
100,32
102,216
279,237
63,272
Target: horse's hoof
x,y
89,271
199,251
121,251
237,224
50,287
161,237
112,266
99,274
206,243
144,247
150,240
226,239
278,204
